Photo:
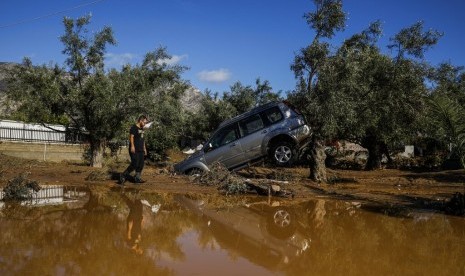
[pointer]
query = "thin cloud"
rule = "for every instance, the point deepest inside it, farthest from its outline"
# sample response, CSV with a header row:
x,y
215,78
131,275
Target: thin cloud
x,y
173,60
117,60
215,76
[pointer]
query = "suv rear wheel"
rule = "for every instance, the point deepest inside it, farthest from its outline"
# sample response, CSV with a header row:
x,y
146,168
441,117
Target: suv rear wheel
x,y
283,153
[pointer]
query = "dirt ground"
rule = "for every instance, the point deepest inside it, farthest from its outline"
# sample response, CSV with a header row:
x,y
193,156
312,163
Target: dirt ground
x,y
420,190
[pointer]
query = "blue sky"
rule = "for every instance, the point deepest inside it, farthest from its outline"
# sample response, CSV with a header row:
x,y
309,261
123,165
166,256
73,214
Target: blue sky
x,y
220,41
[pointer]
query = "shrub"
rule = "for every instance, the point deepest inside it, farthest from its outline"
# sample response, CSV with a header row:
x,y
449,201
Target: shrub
x,y
20,188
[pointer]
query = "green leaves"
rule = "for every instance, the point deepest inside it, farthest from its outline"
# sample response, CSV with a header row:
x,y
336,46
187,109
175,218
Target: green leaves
x,y
357,92
446,105
413,41
447,124
101,104
327,18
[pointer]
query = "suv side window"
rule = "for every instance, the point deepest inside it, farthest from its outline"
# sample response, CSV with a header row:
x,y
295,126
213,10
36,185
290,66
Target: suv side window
x,y
224,136
273,115
251,124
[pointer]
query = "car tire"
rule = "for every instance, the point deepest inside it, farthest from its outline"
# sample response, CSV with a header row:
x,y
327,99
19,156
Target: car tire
x,y
194,171
283,153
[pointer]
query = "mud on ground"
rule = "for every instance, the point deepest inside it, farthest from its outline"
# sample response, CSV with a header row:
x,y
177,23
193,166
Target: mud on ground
x,y
388,187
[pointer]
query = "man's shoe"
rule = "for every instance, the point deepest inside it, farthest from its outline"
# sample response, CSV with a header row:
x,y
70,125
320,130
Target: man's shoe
x,y
122,179
139,181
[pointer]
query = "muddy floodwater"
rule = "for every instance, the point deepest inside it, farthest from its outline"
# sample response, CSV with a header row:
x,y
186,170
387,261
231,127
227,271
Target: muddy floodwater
x,y
128,232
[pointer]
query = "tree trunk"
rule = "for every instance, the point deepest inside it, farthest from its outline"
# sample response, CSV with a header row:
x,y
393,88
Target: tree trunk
x,y
97,148
385,151
375,152
317,157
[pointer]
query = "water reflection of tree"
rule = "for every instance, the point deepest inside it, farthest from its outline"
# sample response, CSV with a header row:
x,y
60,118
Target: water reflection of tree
x,y
89,240
347,240
85,241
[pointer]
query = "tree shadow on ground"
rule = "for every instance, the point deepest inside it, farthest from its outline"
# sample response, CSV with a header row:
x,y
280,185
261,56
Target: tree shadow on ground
x,y
456,176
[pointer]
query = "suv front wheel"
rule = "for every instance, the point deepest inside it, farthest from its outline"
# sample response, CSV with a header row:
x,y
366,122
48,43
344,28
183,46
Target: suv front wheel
x,y
283,153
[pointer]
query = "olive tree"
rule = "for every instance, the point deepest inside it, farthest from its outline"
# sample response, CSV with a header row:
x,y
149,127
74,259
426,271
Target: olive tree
x,y
79,93
326,20
370,99
84,96
167,90
358,93
244,98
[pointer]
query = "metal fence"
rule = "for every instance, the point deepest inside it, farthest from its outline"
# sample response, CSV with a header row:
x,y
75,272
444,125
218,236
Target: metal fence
x,y
35,135
49,194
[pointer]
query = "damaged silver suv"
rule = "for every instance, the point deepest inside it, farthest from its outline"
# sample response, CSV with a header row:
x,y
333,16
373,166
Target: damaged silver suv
x,y
275,130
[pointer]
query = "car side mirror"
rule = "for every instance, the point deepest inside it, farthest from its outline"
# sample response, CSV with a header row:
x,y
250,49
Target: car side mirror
x,y
208,147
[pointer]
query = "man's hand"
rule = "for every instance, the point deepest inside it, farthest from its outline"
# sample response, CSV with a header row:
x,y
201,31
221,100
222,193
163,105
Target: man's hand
x,y
133,149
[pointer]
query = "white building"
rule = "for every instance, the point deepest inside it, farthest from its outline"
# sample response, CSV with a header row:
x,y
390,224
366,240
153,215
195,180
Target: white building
x,y
20,131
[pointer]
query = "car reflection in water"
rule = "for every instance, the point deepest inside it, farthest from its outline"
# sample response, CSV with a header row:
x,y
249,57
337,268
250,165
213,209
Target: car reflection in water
x,y
265,234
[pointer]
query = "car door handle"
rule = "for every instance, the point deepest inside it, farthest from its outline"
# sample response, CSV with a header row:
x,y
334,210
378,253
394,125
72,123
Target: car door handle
x,y
232,145
265,131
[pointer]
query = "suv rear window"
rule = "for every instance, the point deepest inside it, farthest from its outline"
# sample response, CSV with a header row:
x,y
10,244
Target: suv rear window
x,y
273,115
251,124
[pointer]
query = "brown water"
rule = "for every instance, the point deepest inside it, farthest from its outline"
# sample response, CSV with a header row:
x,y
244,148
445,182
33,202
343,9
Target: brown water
x,y
114,233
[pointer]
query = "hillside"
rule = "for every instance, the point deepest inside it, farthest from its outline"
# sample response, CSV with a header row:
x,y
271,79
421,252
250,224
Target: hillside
x,y
4,66
191,99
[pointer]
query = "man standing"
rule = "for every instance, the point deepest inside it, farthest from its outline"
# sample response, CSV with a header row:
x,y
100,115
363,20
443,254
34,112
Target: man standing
x,y
137,151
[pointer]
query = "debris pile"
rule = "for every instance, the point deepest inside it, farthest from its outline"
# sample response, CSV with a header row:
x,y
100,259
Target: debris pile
x,y
221,177
99,175
20,188
230,183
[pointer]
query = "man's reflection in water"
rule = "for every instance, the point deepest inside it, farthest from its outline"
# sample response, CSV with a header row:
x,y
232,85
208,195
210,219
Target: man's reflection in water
x,y
134,223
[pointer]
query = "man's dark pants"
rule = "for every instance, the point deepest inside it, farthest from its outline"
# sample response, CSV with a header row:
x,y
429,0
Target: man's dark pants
x,y
137,164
